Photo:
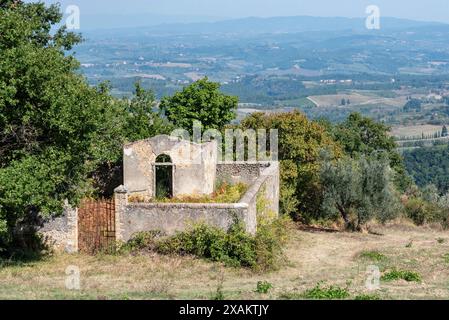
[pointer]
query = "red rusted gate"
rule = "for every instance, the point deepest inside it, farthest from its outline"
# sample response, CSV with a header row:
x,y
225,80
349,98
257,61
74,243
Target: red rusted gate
x,y
96,226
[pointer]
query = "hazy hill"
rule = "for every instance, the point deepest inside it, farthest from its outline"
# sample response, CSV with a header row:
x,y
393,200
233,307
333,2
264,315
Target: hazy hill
x,y
254,25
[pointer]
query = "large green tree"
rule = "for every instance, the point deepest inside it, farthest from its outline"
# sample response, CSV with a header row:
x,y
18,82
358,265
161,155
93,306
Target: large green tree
x,y
55,129
358,190
301,142
201,101
360,135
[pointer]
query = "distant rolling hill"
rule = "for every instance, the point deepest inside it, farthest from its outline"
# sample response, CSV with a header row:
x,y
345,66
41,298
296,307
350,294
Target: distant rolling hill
x,y
272,25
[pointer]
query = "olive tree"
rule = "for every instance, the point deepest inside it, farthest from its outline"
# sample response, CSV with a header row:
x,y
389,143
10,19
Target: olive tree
x,y
358,190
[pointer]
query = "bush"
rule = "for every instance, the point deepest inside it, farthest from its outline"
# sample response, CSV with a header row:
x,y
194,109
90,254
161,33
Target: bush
x,y
235,247
327,293
373,256
140,241
418,210
423,211
409,276
263,287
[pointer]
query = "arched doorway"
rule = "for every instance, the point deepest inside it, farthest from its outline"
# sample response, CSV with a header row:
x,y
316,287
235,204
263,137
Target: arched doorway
x,y
163,178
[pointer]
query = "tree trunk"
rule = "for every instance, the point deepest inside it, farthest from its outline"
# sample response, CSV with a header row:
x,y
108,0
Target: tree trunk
x,y
344,215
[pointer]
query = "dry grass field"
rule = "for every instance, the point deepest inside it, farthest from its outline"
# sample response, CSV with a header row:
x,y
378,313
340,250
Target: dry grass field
x,y
338,258
357,99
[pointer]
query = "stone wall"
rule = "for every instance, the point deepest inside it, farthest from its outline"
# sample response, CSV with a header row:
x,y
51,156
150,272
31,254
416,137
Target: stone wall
x,y
131,218
263,179
61,233
171,218
193,172
236,172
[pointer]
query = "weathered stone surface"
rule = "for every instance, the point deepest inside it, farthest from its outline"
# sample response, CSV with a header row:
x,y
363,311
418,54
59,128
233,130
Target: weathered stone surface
x,y
61,233
194,166
173,217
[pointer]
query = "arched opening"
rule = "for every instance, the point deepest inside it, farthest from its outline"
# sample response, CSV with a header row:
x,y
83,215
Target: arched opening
x,y
163,177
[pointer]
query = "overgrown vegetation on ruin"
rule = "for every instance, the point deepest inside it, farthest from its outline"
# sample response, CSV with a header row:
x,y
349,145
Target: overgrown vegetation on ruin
x,y
224,193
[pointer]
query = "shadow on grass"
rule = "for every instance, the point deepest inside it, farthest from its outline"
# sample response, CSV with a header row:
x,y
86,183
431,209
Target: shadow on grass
x,y
24,249
315,229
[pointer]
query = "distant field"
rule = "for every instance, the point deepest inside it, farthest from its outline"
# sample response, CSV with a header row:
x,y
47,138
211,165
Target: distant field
x,y
356,98
300,102
416,130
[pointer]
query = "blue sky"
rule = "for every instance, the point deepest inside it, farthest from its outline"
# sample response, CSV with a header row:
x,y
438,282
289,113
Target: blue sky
x,y
428,10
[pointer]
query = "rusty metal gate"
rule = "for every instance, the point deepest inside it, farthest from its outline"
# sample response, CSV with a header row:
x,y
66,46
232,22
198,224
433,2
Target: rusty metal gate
x,y
96,226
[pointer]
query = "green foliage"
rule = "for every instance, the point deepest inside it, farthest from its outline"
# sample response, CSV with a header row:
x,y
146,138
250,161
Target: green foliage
x,y
428,165
409,276
270,241
140,241
54,128
263,287
300,144
326,293
428,207
224,193
142,121
418,210
373,256
360,135
413,105
234,247
358,190
60,138
265,214
201,101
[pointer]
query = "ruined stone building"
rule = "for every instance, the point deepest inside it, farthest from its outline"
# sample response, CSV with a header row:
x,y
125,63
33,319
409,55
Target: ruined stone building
x,y
167,167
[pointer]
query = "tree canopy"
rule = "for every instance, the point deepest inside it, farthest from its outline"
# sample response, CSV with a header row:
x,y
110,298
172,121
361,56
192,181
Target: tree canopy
x,y
360,135
56,131
300,144
201,101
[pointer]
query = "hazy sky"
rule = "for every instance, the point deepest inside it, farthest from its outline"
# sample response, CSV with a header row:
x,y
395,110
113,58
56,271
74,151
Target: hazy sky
x,y
430,10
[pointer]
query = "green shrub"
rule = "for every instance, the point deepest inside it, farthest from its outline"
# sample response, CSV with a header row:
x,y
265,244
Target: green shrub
x,y
373,256
431,210
326,293
409,276
418,210
235,247
140,241
263,287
